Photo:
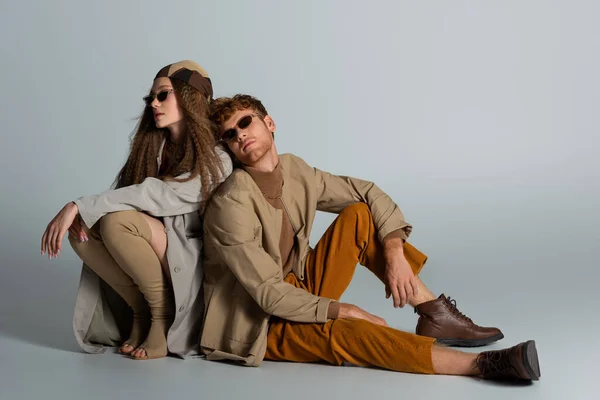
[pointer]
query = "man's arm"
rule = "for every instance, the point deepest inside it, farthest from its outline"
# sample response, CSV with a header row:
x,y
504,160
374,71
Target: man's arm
x,y
338,192
233,228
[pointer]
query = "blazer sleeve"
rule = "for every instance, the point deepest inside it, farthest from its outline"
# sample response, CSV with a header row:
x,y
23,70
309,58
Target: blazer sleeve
x,y
154,196
334,193
234,230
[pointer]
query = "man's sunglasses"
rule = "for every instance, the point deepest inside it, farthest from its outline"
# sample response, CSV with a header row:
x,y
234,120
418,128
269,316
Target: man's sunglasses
x,y
243,123
160,96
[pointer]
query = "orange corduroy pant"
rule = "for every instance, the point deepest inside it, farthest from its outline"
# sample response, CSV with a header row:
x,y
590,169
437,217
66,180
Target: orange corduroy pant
x,y
350,240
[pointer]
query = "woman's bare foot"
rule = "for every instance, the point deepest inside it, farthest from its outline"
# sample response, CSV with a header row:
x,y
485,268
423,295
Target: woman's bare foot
x,y
155,345
140,354
126,348
139,330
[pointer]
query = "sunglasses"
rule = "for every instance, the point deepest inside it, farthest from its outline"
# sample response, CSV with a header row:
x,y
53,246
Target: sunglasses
x,y
243,123
160,96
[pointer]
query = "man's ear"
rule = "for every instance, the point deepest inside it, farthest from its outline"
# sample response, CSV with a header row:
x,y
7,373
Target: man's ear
x,y
270,123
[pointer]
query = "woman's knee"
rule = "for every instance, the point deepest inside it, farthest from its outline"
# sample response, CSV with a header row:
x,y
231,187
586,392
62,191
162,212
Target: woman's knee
x,y
124,222
74,242
158,237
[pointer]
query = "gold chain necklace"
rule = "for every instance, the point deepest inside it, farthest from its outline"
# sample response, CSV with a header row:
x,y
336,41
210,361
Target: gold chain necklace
x,y
277,196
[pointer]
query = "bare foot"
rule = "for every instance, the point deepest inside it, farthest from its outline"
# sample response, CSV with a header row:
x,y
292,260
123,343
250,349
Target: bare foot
x,y
140,354
126,348
139,330
155,345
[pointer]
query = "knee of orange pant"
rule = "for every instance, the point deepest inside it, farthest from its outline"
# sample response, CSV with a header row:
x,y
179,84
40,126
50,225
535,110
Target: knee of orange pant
x,y
359,210
348,335
351,327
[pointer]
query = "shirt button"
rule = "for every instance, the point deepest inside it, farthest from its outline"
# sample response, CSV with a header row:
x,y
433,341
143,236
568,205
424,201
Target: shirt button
x,y
177,270
166,230
181,308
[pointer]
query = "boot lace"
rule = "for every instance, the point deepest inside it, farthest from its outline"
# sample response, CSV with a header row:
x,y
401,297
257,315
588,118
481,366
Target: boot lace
x,y
452,303
494,362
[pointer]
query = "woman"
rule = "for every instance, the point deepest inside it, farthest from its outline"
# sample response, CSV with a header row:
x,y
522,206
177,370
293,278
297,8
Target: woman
x,y
140,243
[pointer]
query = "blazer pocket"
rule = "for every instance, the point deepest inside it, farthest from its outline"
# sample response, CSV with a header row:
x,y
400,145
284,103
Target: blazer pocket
x,y
245,327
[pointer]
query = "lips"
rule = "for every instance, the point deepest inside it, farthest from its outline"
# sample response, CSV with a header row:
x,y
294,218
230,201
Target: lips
x,y
248,143
158,115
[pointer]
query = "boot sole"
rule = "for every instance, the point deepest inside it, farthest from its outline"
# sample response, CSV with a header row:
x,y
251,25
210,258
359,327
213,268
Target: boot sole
x,y
530,360
470,342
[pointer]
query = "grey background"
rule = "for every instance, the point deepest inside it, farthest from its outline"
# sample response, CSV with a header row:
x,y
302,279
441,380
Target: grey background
x,y
478,117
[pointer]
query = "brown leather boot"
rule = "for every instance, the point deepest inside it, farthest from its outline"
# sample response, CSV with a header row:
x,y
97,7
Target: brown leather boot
x,y
517,362
441,319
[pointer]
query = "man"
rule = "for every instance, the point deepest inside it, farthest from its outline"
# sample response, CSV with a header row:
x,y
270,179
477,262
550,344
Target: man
x,y
269,295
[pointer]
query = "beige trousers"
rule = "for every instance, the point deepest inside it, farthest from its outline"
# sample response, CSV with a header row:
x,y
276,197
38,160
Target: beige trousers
x,y
119,251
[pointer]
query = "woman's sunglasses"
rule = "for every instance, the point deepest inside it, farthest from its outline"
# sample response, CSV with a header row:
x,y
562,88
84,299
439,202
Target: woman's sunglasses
x,y
160,96
243,123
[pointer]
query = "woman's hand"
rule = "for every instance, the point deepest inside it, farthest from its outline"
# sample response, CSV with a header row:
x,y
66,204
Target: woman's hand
x,y
55,232
76,230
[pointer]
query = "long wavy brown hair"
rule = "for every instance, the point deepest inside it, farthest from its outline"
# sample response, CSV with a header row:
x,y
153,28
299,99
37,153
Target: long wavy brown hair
x,y
194,154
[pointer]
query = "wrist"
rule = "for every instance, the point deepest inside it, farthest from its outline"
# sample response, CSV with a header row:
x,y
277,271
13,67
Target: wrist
x,y
72,206
393,251
345,310
394,243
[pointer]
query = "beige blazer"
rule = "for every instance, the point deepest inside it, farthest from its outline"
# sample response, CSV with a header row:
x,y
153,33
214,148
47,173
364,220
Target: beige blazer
x,y
243,283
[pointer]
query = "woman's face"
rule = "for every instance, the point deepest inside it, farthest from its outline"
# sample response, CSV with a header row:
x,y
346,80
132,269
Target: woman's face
x,y
167,113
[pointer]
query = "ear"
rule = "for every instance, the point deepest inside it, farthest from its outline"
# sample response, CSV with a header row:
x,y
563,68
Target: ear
x,y
270,123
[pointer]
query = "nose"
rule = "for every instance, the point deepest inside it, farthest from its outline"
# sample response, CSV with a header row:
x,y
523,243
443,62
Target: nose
x,y
241,133
155,103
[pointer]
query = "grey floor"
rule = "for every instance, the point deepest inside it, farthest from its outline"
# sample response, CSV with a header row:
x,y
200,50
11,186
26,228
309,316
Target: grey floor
x,y
542,294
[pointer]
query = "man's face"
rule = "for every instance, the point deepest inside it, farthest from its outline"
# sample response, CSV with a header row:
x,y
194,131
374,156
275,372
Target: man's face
x,y
254,135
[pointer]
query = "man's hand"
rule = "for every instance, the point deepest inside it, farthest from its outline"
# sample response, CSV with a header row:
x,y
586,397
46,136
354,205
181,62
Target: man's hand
x,y
400,282
352,311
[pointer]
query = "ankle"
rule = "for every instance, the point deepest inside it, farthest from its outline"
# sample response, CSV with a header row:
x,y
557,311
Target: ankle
x,y
420,299
452,362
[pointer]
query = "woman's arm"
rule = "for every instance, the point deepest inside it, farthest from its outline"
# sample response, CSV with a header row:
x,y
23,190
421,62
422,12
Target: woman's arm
x,y
154,196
